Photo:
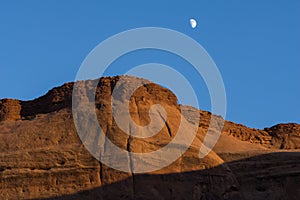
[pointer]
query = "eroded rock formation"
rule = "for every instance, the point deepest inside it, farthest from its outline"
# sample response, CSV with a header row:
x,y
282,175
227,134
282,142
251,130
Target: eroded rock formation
x,y
41,155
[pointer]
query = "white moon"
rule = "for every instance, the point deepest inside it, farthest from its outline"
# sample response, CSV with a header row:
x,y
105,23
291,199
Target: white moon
x,y
193,23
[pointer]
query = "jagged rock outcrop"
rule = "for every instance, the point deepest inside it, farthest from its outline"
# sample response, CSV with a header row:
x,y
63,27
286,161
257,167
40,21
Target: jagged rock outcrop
x,y
280,136
10,109
41,155
285,136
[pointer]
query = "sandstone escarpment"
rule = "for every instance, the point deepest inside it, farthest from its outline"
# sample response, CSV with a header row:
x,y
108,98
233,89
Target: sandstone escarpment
x,y
280,136
42,156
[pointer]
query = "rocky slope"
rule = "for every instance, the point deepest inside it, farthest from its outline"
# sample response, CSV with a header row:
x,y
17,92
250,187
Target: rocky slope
x,y
41,155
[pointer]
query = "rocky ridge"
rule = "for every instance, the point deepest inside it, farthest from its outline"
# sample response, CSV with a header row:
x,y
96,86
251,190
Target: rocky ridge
x,y
41,155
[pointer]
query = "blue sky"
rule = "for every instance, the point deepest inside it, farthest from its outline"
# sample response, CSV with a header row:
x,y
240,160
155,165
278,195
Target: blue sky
x,y
255,44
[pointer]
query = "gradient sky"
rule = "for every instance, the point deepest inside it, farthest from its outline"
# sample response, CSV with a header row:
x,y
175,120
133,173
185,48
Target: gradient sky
x,y
255,44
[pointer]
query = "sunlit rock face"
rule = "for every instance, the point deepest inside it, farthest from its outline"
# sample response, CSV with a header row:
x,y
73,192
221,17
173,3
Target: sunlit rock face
x,y
42,156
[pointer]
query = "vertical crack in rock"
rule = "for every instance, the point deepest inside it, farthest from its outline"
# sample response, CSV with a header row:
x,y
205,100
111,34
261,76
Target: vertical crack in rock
x,y
101,154
169,129
131,162
167,124
101,172
137,108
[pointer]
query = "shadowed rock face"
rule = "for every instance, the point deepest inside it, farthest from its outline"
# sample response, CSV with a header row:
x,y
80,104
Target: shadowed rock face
x,y
41,155
258,178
